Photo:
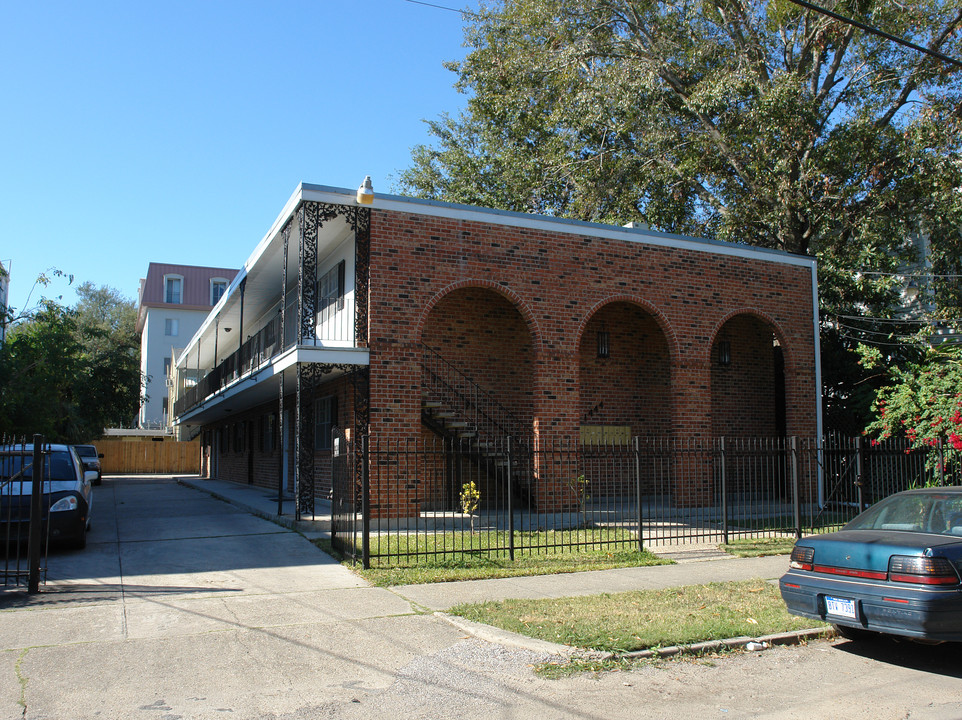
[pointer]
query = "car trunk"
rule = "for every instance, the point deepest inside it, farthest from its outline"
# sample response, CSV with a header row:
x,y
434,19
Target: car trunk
x,y
871,549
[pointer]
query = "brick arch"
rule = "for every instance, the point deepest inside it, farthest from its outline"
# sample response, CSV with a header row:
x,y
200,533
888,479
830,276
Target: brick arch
x,y
787,352
509,294
666,328
633,386
749,398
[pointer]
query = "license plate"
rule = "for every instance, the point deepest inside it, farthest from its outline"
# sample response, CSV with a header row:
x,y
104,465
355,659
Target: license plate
x,y
840,607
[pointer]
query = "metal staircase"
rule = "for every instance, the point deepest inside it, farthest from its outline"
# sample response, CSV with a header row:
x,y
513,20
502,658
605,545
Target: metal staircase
x,y
476,426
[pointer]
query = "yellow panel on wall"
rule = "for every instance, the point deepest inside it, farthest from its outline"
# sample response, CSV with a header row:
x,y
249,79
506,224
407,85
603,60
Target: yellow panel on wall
x,y
605,434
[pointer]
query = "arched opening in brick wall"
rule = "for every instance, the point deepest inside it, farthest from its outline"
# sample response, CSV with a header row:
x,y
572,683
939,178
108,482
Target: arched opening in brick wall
x,y
747,380
481,335
477,389
624,375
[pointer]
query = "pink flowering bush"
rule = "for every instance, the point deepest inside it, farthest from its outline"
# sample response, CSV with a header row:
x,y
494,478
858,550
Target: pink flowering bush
x,y
923,403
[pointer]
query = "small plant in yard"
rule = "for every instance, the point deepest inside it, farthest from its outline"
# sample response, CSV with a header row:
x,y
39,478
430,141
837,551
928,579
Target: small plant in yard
x,y
470,500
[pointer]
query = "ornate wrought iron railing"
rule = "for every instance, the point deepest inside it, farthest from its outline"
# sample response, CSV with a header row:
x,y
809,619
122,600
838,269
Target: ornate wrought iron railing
x,y
257,350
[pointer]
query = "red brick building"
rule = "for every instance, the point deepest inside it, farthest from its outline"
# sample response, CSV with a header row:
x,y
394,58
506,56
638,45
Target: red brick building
x,y
413,320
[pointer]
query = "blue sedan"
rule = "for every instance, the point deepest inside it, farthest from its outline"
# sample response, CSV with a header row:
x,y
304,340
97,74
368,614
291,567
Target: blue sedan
x,y
893,569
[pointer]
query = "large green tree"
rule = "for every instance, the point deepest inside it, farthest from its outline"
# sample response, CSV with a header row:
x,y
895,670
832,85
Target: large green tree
x,y
68,373
107,332
742,120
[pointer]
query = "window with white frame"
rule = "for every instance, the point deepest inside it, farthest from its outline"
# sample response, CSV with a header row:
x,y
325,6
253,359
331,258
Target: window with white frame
x,y
330,293
173,289
218,286
171,327
325,418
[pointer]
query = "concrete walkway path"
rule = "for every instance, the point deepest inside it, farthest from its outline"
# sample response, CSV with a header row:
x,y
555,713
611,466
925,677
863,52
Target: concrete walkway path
x,y
185,606
182,604
697,564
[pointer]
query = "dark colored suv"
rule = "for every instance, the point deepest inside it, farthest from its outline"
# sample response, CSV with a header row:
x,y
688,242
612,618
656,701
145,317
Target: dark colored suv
x,y
66,497
91,459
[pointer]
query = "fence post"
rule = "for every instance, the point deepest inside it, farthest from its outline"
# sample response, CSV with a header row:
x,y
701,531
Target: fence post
x,y
724,488
941,451
859,489
641,539
796,495
510,503
365,501
35,538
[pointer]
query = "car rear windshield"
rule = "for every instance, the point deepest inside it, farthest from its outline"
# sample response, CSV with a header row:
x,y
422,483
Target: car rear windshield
x,y
938,513
57,466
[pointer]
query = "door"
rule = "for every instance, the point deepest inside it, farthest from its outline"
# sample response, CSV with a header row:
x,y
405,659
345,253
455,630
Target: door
x,y
288,429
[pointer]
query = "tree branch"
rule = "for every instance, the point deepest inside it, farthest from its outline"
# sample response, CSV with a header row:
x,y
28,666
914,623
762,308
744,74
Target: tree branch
x,y
911,84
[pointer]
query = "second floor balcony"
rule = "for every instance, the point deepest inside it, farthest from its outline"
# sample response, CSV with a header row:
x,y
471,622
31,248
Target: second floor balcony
x,y
300,298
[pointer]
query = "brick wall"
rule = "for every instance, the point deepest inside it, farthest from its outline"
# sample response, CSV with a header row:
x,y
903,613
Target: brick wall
x,y
519,311
484,335
246,455
632,386
517,303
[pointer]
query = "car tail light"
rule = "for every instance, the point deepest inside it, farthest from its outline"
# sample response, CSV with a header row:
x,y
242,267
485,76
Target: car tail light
x,y
922,570
802,558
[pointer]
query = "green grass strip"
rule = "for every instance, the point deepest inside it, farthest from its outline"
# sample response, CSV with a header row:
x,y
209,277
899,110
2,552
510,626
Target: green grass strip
x,y
412,559
760,547
638,620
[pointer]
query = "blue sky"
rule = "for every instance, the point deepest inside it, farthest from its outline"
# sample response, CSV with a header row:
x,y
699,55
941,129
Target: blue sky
x,y
174,132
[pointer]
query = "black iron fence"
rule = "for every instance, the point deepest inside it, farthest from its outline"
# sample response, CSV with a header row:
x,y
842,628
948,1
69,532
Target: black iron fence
x,y
405,502
23,534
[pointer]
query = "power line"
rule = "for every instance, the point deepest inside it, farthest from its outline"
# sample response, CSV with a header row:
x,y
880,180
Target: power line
x,y
801,3
879,343
874,336
876,31
910,274
441,7
906,321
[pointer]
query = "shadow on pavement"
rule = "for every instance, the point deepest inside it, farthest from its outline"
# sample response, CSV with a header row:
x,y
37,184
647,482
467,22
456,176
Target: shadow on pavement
x,y
80,593
941,659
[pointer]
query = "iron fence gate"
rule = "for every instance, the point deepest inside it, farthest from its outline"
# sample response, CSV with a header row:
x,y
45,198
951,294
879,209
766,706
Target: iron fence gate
x,y
347,491
24,535
400,502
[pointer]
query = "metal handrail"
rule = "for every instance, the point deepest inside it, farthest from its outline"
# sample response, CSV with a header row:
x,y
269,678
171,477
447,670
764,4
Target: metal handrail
x,y
258,349
461,394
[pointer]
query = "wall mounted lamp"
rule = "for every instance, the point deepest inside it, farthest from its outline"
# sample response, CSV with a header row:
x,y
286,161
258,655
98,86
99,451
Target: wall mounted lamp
x,y
365,193
724,352
604,344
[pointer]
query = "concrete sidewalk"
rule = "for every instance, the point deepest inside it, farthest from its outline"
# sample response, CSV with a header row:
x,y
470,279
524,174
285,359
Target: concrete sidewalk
x,y
696,563
184,606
